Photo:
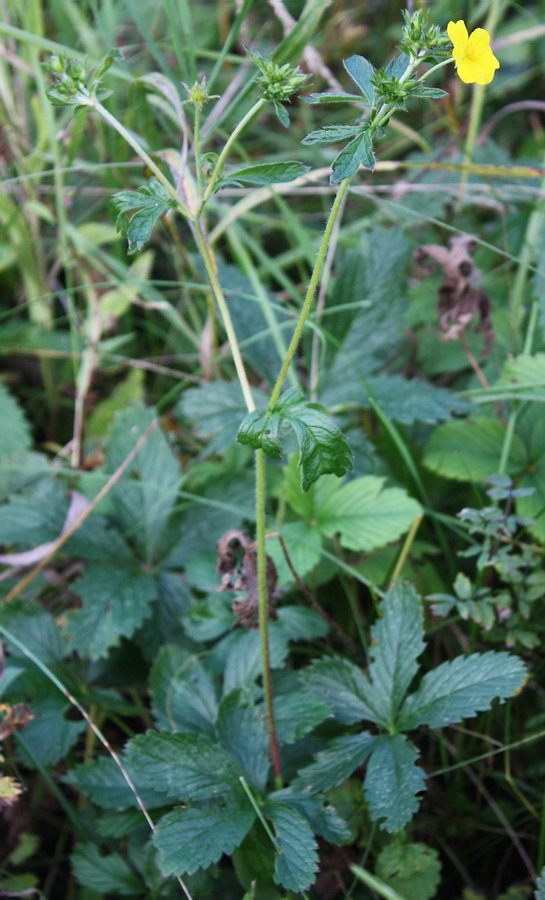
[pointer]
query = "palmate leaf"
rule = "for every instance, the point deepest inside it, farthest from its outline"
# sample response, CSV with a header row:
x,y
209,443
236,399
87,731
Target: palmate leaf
x,y
396,643
323,448
343,686
462,687
392,781
136,212
359,152
297,859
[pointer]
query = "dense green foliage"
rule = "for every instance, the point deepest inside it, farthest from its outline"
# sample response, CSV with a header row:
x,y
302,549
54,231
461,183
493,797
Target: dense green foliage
x,y
271,636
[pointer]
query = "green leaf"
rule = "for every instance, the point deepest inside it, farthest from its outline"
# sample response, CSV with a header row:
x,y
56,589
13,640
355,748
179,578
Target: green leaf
x,y
323,448
365,515
333,98
243,733
426,92
540,886
269,173
190,767
398,65
344,688
244,664
281,113
194,838
103,782
104,874
49,736
396,643
336,764
359,152
215,408
296,714
361,71
182,692
145,495
460,688
297,859
15,432
136,212
392,781
330,134
412,869
401,399
115,603
304,546
36,628
324,819
470,451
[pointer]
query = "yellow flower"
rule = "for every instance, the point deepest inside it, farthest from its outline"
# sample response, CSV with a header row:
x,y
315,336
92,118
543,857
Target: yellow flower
x,y
474,59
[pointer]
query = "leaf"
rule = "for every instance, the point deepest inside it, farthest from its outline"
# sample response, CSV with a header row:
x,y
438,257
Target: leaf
x,y
215,409
323,448
297,859
470,451
15,432
182,692
397,66
401,399
115,603
244,664
36,628
396,643
361,71
243,733
324,819
333,98
365,515
136,212
49,736
145,495
296,714
104,874
392,781
103,782
304,546
194,838
460,688
343,686
269,173
334,765
426,92
281,113
330,134
540,886
359,152
412,869
190,767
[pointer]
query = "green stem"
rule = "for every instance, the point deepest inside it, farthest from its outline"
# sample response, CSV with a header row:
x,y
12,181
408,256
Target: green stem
x,y
211,270
263,602
311,292
232,138
139,150
196,150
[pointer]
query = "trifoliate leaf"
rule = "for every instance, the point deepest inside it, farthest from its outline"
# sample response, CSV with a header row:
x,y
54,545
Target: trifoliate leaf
x,y
136,212
359,152
329,134
336,764
194,838
411,869
323,448
392,781
297,859
462,687
108,874
361,71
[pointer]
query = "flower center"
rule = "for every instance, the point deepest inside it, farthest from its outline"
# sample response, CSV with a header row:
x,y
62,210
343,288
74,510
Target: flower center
x,y
472,53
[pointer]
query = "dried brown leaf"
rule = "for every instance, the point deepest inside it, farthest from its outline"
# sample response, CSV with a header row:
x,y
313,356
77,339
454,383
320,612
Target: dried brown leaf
x,y
237,564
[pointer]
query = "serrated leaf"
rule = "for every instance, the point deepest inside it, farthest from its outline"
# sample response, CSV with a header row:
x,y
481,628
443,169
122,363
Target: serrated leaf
x,y
392,781
243,733
15,432
49,736
336,764
323,818
540,886
244,663
412,869
194,838
145,495
330,134
215,409
190,767
115,603
469,451
359,152
270,173
460,688
427,93
37,628
396,643
333,98
297,859
397,66
104,874
182,692
296,714
323,448
103,782
361,71
304,544
281,113
136,212
365,515
344,688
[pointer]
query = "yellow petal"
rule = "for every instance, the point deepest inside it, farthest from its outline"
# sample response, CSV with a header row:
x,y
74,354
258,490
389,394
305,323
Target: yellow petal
x,y
457,32
472,72
479,39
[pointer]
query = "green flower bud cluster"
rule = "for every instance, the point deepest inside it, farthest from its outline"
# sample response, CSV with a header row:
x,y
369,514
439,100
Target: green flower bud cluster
x,y
277,82
72,84
423,40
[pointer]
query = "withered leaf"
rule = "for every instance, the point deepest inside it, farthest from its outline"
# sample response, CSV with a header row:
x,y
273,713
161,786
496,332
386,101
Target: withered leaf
x,y
237,564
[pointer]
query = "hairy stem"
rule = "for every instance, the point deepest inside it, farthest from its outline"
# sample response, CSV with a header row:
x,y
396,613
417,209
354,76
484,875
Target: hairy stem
x,y
231,140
